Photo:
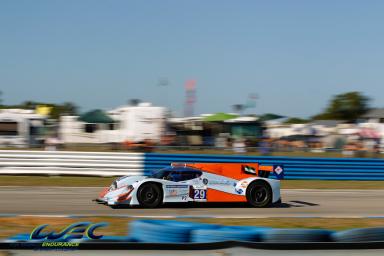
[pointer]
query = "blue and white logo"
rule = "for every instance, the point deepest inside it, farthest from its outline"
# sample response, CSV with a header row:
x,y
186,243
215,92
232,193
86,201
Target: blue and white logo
x,y
279,171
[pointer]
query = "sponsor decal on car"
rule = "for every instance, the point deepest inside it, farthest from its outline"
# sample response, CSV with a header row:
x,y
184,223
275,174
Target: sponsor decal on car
x,y
220,182
239,190
244,184
172,192
200,194
279,171
176,186
248,169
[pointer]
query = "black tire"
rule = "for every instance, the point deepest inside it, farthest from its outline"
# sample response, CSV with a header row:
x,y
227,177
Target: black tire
x,y
259,194
150,195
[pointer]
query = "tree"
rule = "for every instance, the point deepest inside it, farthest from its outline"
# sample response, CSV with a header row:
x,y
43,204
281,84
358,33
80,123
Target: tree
x,y
269,116
346,106
238,108
296,120
68,108
57,110
134,102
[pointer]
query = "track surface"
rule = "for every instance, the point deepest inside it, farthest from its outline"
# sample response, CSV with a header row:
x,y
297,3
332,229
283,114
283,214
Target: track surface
x,y
296,203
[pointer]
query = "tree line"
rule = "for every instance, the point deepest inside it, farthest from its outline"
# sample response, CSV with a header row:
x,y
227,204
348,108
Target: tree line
x,y
348,106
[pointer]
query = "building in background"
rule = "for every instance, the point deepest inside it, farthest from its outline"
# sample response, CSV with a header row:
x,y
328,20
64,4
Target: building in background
x,y
139,123
91,127
142,122
21,128
214,129
374,120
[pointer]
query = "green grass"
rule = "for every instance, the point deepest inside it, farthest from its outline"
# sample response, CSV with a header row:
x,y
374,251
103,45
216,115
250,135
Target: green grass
x,y
76,181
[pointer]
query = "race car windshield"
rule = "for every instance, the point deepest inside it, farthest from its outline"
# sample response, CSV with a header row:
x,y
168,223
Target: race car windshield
x,y
177,174
163,173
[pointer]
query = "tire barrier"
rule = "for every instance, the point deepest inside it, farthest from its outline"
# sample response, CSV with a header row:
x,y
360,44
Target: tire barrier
x,y
296,235
180,235
165,231
360,235
172,231
296,168
231,233
19,238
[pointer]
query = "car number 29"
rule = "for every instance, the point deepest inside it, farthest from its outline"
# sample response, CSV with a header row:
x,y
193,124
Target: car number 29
x,y
200,194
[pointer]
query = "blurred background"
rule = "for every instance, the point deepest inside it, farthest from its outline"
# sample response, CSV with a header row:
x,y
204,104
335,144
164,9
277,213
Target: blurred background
x,y
255,77
349,127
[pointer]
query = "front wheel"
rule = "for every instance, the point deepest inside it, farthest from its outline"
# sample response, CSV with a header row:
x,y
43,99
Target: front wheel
x,y
150,195
259,194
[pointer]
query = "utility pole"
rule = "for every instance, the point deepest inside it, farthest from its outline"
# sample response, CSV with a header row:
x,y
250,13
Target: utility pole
x,y
190,97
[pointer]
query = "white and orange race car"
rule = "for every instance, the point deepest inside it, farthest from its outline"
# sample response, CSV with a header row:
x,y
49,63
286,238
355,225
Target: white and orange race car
x,y
198,182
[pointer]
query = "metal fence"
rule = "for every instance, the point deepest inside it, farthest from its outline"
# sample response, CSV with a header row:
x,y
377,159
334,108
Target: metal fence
x,y
70,163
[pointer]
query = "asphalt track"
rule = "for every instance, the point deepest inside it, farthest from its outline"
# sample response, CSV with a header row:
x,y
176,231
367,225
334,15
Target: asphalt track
x,y
296,203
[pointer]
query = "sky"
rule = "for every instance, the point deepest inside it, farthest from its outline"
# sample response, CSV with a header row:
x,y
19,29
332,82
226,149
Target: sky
x,y
99,54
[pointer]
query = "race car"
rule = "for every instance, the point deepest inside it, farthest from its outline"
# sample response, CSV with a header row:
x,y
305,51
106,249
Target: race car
x,y
198,182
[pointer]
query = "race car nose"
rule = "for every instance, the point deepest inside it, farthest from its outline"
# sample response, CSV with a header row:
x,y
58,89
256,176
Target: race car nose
x,y
103,192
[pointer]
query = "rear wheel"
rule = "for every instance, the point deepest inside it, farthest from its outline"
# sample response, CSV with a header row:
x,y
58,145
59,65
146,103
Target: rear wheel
x,y
259,194
150,195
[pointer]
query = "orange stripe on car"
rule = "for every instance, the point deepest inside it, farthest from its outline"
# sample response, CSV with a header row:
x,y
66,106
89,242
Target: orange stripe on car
x,y
124,196
267,168
103,192
231,170
214,195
